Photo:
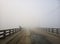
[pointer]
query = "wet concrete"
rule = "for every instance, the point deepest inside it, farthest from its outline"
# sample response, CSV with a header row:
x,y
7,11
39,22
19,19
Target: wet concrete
x,y
38,39
32,37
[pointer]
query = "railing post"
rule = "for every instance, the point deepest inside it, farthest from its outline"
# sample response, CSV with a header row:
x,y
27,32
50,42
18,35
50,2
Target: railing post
x,y
49,29
4,34
52,30
13,31
46,29
57,31
9,32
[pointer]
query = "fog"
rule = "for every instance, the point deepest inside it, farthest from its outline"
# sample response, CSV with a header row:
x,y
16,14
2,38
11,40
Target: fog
x,y
29,13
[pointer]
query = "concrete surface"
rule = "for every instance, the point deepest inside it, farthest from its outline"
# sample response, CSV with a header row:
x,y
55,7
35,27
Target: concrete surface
x,y
33,36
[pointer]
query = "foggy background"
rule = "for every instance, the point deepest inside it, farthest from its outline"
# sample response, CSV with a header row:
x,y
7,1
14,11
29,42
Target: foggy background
x,y
29,13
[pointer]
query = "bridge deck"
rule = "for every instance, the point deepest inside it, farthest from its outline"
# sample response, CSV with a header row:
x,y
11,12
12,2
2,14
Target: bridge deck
x,y
31,37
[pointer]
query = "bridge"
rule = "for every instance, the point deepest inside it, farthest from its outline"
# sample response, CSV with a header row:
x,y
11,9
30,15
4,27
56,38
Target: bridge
x,y
30,36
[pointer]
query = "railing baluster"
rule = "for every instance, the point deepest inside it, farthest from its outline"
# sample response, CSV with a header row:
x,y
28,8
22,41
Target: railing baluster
x,y
4,34
57,31
9,32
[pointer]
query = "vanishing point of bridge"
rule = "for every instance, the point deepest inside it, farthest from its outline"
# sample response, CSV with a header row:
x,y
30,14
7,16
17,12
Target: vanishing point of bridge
x,y
30,36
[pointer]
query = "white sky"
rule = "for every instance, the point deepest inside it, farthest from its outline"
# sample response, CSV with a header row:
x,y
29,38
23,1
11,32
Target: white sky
x,y
29,13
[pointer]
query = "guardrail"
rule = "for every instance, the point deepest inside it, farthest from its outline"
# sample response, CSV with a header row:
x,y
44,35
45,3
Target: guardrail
x,y
51,30
8,32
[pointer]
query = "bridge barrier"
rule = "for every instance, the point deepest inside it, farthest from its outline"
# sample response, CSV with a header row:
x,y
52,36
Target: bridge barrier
x,y
8,32
52,31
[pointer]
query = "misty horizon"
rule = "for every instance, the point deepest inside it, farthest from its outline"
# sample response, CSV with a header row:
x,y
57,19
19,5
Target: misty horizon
x,y
29,13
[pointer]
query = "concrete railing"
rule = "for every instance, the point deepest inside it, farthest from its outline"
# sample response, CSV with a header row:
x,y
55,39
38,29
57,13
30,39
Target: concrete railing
x,y
8,32
53,31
